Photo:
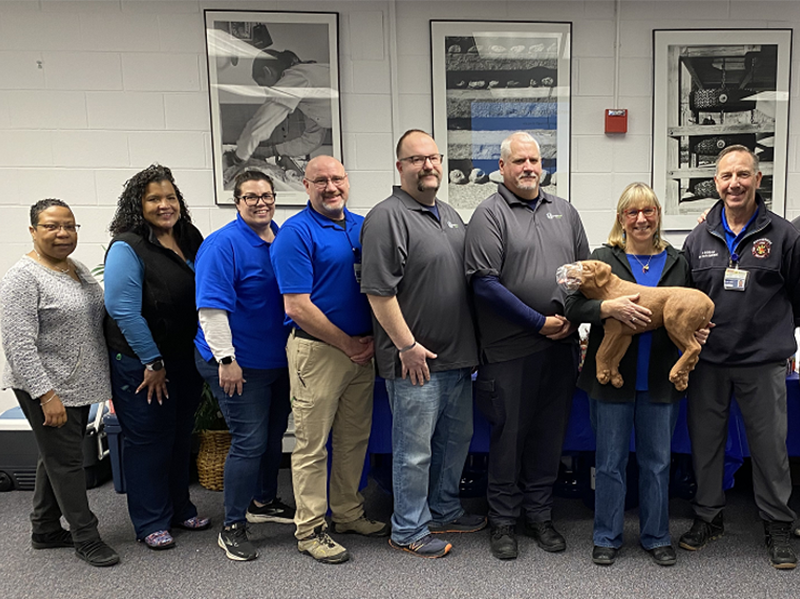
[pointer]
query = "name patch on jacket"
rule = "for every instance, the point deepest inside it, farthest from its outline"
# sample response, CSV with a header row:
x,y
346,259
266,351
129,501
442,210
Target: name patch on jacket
x,y
762,248
708,254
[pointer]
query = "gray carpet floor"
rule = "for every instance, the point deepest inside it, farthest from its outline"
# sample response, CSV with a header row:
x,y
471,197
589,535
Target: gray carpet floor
x,y
735,566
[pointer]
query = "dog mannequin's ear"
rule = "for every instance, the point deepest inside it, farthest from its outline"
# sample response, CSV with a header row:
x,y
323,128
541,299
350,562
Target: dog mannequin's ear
x,y
602,273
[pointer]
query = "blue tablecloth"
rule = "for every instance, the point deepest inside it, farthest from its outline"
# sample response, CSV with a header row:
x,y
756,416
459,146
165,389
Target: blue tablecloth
x,y
580,436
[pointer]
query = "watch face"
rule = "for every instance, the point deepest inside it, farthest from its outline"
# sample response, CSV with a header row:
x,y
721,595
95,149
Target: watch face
x,y
227,360
156,366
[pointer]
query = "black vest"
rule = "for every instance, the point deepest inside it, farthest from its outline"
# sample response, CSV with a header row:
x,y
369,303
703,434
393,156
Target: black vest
x,y
168,301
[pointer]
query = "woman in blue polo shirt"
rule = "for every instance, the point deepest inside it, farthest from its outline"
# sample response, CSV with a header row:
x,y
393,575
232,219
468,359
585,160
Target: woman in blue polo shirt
x,y
241,353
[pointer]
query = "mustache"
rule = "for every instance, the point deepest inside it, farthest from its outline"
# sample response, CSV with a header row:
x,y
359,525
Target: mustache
x,y
429,172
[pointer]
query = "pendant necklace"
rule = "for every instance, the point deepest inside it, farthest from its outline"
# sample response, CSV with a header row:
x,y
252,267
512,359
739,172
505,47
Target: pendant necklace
x,y
645,267
64,270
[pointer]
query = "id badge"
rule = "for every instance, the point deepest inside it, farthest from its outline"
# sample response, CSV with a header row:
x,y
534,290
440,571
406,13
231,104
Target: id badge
x,y
357,271
735,279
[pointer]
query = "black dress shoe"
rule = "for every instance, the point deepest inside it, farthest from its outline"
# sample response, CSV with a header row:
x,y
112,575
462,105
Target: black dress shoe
x,y
503,542
547,537
663,556
604,556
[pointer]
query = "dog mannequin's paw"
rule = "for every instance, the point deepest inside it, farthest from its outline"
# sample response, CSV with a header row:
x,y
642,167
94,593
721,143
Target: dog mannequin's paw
x,y
603,376
616,380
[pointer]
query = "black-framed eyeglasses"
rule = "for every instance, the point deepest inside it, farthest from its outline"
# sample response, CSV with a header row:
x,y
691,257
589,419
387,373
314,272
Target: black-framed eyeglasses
x,y
420,160
51,228
322,182
252,199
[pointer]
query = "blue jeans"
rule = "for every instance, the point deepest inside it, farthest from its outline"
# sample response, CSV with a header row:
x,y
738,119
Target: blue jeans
x,y
157,441
257,420
653,424
431,432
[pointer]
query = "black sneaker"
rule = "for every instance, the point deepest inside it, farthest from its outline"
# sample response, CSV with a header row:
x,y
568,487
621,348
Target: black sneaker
x,y
663,556
546,536
52,540
97,553
701,532
776,537
233,539
503,542
274,511
464,523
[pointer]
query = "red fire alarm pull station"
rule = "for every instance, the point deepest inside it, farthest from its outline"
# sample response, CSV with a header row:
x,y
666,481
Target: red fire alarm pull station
x,y
616,120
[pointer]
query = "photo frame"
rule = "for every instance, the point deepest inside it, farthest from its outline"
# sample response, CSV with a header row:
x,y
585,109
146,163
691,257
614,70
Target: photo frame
x,y
273,84
713,88
490,79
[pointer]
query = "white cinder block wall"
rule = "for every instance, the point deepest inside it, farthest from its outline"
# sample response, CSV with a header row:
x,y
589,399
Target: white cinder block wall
x,y
92,91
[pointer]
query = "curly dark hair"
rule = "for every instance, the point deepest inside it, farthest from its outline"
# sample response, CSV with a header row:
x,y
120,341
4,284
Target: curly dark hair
x,y
129,207
43,205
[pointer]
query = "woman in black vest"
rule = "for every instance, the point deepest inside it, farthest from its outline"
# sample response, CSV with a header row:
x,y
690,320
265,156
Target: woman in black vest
x,y
150,328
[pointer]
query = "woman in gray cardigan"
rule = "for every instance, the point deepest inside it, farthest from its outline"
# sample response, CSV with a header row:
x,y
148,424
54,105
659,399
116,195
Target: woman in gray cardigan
x,y
51,314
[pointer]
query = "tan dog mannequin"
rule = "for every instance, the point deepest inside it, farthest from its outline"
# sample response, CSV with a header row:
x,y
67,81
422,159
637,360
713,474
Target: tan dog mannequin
x,y
681,310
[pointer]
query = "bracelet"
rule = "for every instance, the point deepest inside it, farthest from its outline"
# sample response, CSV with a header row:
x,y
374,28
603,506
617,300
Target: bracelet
x,y
44,403
407,347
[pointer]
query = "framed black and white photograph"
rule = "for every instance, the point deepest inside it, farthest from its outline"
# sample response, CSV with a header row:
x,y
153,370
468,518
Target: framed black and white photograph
x,y
274,95
713,88
489,80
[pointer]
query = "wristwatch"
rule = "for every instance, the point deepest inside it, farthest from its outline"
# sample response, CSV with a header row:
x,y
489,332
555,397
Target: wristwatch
x,y
155,365
227,360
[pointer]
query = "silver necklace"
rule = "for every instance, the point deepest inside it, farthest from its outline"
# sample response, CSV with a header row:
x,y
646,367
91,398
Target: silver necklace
x,y
64,270
645,267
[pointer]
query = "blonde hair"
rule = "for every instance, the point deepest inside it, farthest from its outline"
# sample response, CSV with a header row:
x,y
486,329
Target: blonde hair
x,y
636,194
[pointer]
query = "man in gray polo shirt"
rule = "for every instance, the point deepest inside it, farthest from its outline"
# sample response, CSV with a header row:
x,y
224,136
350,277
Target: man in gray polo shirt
x,y
425,347
516,240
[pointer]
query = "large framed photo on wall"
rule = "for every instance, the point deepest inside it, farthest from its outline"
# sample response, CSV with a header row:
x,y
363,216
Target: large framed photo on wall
x,y
713,88
274,95
489,80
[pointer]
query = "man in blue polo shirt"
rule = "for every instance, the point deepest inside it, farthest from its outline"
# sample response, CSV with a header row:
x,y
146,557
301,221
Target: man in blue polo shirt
x,y
317,260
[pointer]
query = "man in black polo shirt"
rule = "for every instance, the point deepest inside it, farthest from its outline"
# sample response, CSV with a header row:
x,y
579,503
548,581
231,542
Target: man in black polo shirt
x,y
413,275
516,240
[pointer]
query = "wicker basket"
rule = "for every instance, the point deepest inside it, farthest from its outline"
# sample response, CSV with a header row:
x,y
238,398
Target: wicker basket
x,y
214,447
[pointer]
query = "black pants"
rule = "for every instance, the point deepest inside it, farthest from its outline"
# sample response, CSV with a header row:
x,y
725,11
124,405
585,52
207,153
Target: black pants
x,y
527,401
60,479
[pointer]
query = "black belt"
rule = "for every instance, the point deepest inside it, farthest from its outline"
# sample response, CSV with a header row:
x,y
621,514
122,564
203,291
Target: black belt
x,y
303,335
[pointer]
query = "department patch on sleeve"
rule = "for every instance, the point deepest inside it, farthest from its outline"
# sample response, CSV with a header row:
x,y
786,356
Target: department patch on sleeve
x,y
762,248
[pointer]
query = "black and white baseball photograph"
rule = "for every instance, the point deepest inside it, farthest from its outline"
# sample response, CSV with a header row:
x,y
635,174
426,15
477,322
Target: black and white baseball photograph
x,y
713,89
274,95
489,80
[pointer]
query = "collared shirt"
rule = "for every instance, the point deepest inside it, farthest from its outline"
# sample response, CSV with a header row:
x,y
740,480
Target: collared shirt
x,y
234,273
523,247
314,255
412,255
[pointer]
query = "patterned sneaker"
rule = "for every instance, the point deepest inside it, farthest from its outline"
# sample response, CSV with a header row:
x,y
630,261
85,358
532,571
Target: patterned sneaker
x,y
196,523
428,546
274,511
322,547
233,539
158,540
363,526
464,523
52,540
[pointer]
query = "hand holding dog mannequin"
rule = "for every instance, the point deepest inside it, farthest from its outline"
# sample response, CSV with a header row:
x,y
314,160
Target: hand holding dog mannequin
x,y
627,310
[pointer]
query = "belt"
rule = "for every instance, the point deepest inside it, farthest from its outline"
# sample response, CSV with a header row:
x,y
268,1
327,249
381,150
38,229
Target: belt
x,y
303,335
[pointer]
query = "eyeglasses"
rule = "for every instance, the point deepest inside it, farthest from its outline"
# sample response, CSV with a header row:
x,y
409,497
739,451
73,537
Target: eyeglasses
x,y
633,213
322,182
51,228
252,199
420,160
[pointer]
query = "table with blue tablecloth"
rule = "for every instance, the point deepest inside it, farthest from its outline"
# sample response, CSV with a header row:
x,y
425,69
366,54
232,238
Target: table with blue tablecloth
x,y
580,436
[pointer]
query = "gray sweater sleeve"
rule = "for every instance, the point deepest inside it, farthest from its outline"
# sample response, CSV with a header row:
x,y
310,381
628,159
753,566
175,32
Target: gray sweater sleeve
x,y
19,320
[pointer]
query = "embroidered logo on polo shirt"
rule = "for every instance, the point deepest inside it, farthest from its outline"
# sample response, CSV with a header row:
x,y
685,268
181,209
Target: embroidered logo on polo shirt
x,y
552,216
452,225
762,248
